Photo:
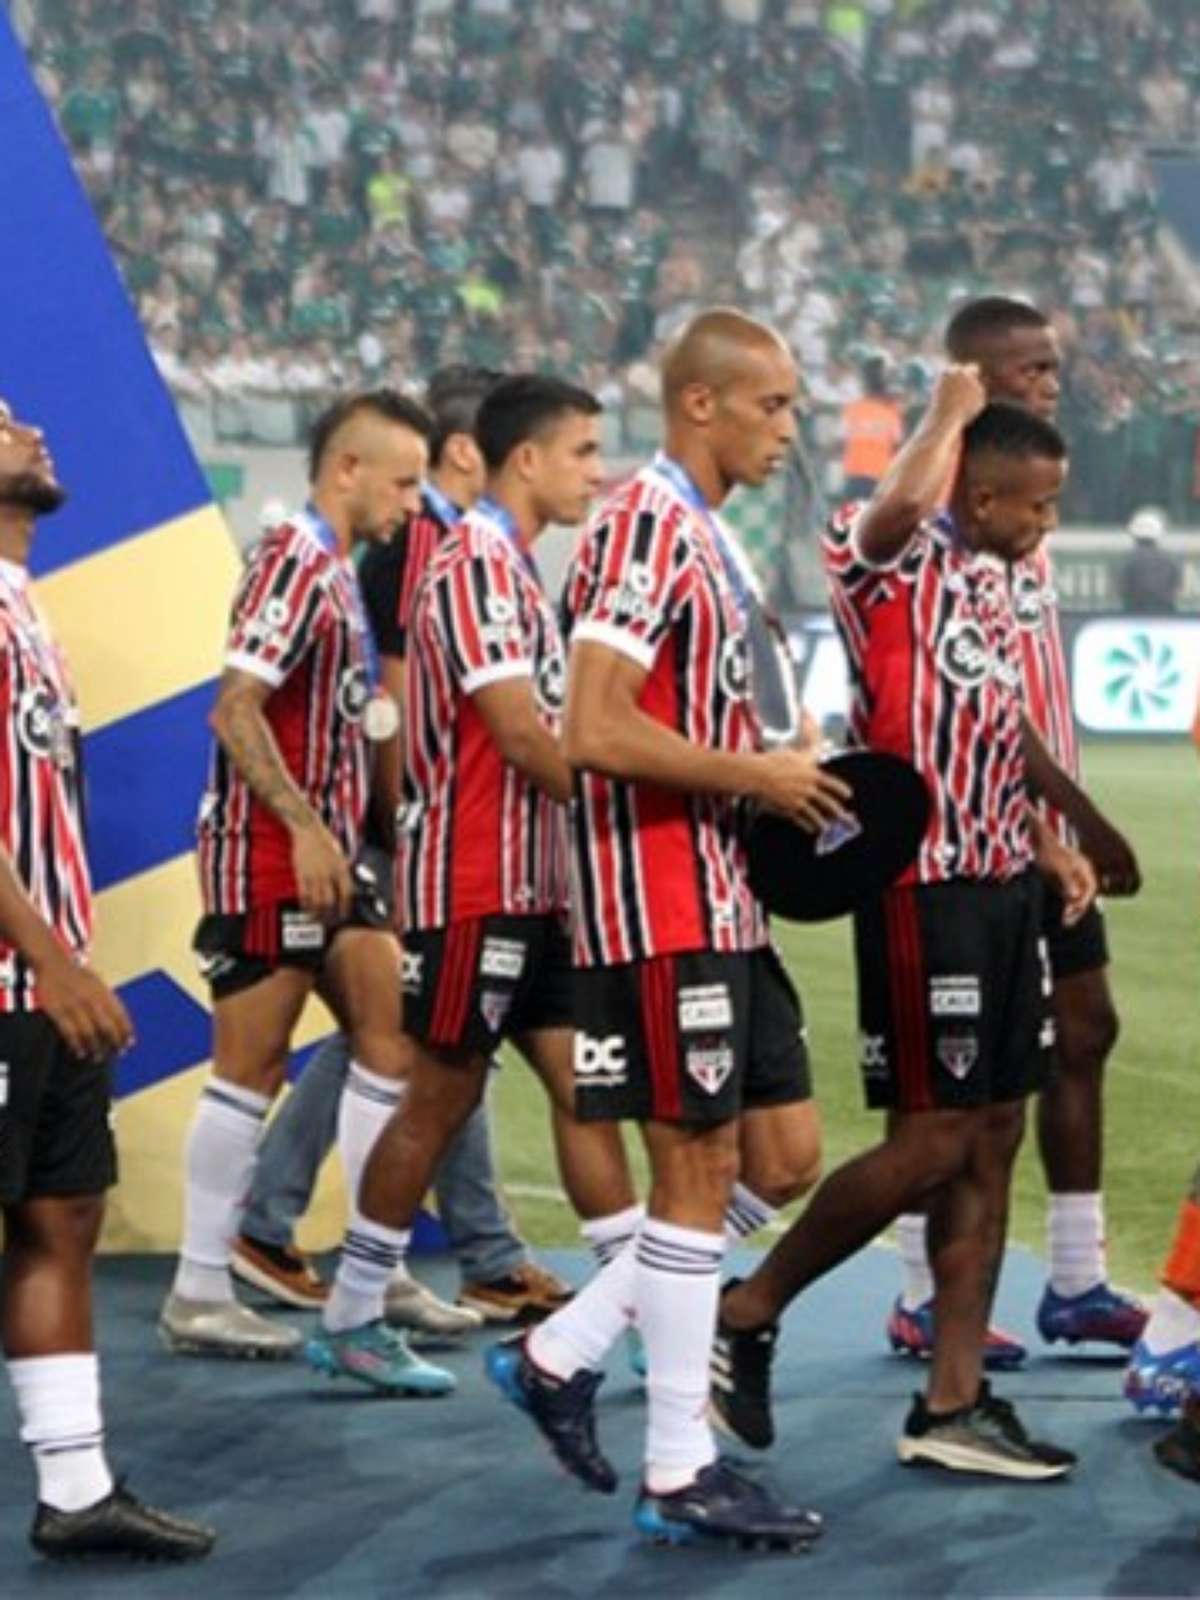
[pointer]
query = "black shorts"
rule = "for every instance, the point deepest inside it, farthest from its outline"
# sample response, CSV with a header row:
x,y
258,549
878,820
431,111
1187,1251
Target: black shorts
x,y
1081,948
236,951
475,982
55,1115
695,1038
953,995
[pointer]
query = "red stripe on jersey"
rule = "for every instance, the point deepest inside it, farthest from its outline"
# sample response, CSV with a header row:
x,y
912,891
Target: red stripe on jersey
x,y
422,535
656,978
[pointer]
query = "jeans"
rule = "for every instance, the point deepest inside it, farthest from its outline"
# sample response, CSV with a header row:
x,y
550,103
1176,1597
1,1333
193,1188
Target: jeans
x,y
298,1140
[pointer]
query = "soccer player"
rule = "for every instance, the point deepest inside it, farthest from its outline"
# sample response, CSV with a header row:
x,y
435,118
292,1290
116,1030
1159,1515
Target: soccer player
x,y
59,1029
953,985
1017,354
688,1023
500,1281
287,906
482,847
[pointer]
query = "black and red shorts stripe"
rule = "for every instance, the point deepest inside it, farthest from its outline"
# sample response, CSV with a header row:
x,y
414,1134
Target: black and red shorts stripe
x,y
694,1038
480,980
953,994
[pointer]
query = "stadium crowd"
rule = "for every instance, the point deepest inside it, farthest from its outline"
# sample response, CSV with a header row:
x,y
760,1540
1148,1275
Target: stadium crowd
x,y
345,191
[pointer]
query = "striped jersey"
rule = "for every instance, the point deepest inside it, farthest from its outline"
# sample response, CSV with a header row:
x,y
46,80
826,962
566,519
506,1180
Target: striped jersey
x,y
391,573
654,871
1044,666
298,625
41,799
935,670
476,837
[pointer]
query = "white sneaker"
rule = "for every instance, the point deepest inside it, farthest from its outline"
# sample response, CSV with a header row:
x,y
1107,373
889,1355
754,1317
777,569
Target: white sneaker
x,y
409,1304
224,1328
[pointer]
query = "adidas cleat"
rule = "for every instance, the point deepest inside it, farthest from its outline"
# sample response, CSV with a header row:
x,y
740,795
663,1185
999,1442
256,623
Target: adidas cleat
x,y
378,1356
910,1333
739,1396
562,1410
1102,1315
1162,1382
720,1505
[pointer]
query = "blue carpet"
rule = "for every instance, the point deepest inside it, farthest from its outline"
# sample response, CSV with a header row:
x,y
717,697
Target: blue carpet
x,y
321,1490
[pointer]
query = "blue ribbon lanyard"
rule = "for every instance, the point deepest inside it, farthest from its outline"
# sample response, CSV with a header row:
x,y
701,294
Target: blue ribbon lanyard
x,y
443,508
507,523
685,484
327,539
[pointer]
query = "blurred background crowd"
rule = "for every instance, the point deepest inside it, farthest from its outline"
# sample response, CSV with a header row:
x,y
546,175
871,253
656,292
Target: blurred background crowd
x,y
309,193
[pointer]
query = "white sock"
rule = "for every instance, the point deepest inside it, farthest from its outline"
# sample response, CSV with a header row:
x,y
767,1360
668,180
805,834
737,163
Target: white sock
x,y
1173,1321
746,1213
366,1107
677,1281
219,1163
583,1332
58,1399
917,1280
370,1255
1075,1237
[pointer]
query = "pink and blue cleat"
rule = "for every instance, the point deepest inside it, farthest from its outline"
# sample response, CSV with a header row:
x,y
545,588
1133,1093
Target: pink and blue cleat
x,y
910,1333
1101,1315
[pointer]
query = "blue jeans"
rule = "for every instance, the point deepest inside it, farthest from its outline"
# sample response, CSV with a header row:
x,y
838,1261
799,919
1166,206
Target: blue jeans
x,y
301,1136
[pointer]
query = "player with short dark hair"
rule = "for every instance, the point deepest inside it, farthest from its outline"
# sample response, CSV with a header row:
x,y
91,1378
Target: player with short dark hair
x,y
59,1030
953,986
481,880
1017,353
289,906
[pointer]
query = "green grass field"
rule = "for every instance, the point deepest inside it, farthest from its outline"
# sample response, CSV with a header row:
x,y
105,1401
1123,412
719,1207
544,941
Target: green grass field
x,y
1152,791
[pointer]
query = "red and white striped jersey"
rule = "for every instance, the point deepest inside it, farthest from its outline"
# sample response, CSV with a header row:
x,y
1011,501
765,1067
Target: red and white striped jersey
x,y
41,804
476,837
654,871
298,624
935,668
390,574
1044,666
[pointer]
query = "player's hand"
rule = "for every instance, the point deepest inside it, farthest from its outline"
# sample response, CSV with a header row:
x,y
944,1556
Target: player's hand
x,y
1072,875
91,1019
322,873
1112,855
959,393
795,784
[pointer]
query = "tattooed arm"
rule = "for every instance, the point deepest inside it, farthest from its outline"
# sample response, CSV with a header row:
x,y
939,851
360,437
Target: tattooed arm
x,y
238,720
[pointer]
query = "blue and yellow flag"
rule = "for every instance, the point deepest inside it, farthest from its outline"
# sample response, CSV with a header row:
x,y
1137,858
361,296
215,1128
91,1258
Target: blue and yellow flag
x,y
137,573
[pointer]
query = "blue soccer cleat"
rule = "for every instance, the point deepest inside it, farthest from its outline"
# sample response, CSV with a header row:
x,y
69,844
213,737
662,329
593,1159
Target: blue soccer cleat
x,y
562,1409
1102,1315
1162,1382
379,1357
910,1333
720,1505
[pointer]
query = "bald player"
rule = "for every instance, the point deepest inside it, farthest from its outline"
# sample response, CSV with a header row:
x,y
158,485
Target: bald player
x,y
686,1020
286,907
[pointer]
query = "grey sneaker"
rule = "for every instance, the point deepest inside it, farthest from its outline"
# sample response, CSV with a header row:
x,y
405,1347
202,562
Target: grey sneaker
x,y
224,1328
409,1304
987,1438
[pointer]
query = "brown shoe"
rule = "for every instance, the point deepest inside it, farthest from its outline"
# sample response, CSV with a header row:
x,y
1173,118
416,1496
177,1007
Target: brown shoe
x,y
280,1271
528,1294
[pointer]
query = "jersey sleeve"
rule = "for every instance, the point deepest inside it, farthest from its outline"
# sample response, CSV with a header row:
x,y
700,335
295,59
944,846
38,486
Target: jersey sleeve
x,y
624,587
478,611
845,565
280,608
381,577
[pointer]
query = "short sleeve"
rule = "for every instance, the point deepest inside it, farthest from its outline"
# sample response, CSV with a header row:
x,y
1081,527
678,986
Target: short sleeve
x,y
280,609
625,582
845,565
478,606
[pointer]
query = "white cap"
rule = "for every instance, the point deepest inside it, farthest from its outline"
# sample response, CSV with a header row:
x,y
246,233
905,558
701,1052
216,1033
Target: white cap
x,y
1148,525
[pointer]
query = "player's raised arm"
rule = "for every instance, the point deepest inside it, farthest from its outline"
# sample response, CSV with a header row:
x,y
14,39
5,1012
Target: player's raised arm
x,y
915,483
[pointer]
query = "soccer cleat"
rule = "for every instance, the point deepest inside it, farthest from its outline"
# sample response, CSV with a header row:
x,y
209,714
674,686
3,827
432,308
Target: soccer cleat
x,y
379,1357
409,1304
910,1333
1179,1450
1162,1382
987,1439
1102,1314
526,1295
224,1328
739,1399
119,1525
562,1410
722,1505
280,1271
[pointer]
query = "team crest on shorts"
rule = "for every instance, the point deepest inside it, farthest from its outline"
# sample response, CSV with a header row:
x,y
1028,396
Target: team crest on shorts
x,y
709,1065
958,1053
494,1006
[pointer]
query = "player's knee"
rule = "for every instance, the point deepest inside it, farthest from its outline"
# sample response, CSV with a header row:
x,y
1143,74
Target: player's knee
x,y
937,1144
788,1177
